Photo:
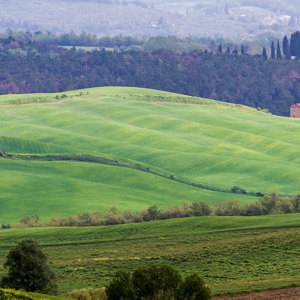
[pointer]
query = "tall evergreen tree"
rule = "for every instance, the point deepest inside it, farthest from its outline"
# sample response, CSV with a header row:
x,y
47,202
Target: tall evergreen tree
x,y
295,44
264,54
285,45
278,52
220,48
242,49
272,50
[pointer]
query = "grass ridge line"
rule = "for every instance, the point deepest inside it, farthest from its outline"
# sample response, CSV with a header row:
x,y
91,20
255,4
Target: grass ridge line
x,y
118,163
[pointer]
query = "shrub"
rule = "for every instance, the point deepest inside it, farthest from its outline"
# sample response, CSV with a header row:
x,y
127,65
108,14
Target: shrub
x,y
152,213
296,203
194,288
30,221
284,206
268,203
120,287
229,208
200,209
238,190
253,209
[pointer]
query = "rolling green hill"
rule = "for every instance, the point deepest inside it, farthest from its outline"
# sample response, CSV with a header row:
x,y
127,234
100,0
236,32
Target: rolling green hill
x,y
233,254
156,147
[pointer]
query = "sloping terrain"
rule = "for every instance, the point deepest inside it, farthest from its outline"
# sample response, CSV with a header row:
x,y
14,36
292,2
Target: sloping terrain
x,y
91,149
233,254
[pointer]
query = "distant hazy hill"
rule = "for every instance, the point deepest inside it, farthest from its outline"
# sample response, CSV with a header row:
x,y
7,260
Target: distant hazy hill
x,y
229,18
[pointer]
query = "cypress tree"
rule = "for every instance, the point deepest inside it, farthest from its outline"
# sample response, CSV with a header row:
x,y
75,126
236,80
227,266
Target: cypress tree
x,y
242,49
278,53
220,48
264,54
285,45
293,45
272,50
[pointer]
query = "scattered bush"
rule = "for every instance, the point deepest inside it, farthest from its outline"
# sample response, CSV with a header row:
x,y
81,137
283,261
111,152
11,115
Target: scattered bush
x,y
238,190
229,208
296,203
5,226
252,209
200,209
30,221
193,288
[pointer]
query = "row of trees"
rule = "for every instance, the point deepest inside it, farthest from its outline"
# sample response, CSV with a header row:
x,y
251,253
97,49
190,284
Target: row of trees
x,y
243,79
29,65
266,205
29,270
158,282
290,48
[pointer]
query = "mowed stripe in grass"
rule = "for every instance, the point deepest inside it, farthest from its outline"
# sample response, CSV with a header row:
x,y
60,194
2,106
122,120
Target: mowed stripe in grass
x,y
217,144
233,254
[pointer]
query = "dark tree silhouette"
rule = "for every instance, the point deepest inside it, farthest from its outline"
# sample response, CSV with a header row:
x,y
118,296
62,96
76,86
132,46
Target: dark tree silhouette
x,y
272,50
194,288
264,54
278,52
28,269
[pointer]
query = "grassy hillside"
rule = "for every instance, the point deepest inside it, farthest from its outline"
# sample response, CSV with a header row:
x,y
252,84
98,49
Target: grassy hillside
x,y
192,140
233,254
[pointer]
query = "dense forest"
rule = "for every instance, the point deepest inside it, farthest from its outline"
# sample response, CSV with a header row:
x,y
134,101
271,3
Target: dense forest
x,y
229,75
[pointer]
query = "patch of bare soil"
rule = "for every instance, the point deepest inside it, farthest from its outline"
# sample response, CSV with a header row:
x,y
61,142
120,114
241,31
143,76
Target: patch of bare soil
x,y
280,294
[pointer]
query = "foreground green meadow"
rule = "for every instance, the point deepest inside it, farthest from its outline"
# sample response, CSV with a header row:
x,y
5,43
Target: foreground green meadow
x,y
233,254
202,141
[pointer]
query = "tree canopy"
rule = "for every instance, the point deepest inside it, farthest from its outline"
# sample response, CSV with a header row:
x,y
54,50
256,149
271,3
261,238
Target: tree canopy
x,y
159,282
28,269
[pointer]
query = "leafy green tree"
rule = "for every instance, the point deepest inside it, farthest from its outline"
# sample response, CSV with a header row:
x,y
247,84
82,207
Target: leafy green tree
x,y
152,213
28,269
193,288
120,287
156,281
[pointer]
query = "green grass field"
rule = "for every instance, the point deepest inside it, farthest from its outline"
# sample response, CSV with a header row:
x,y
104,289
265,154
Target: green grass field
x,y
233,254
155,146
202,141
